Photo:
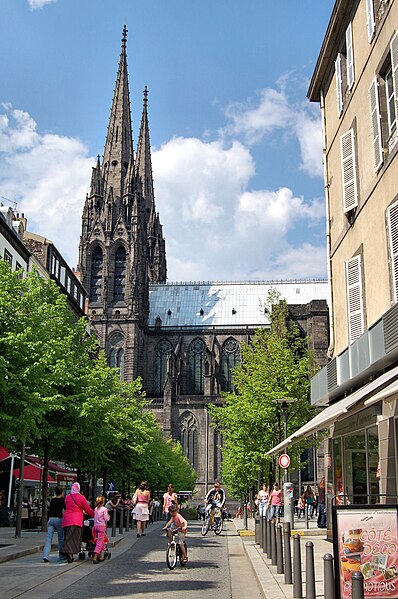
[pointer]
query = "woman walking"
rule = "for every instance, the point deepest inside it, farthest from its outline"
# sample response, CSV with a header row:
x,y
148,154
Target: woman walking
x,y
76,506
57,506
141,498
169,498
101,517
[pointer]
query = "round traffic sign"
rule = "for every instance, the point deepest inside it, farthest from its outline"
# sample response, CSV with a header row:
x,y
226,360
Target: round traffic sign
x,y
284,461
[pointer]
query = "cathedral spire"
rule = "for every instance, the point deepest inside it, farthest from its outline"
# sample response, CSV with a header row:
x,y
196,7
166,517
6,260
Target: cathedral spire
x,y
143,157
119,140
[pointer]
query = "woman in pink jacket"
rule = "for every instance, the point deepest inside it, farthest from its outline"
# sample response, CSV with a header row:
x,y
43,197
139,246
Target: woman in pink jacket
x,y
76,506
101,517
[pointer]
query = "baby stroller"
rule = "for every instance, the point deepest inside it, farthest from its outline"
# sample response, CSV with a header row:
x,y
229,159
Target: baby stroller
x,y
88,541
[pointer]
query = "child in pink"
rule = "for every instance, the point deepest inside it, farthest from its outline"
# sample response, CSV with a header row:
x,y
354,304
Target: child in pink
x,y
101,517
177,522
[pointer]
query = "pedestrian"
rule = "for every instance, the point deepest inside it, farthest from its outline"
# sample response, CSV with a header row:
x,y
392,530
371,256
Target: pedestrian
x,y
321,523
275,503
262,499
101,517
54,523
76,505
168,498
309,500
141,499
300,509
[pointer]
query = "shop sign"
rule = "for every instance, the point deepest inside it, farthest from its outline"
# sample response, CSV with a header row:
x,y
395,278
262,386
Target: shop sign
x,y
365,539
66,478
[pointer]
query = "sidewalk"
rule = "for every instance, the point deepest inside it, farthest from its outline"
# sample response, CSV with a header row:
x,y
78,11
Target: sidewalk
x,y
271,583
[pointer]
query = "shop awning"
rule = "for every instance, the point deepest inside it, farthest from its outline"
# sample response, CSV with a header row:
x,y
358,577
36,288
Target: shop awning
x,y
333,412
4,453
388,394
33,474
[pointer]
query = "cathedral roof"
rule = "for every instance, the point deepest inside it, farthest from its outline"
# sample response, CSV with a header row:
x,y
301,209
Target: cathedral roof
x,y
225,304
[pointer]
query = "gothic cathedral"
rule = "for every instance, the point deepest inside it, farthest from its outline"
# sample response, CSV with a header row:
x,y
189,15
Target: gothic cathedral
x,y
183,339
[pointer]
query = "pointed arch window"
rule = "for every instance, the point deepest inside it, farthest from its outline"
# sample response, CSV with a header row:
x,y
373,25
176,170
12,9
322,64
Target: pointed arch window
x,y
162,350
97,263
116,353
187,434
230,359
119,281
196,366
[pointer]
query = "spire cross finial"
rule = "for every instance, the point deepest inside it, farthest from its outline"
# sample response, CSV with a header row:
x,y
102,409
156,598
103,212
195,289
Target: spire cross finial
x,y
124,36
145,97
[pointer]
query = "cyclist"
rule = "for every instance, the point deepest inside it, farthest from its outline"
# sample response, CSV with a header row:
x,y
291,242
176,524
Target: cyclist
x,y
177,522
215,500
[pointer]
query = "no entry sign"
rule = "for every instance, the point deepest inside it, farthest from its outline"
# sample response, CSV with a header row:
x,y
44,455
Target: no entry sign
x,y
284,461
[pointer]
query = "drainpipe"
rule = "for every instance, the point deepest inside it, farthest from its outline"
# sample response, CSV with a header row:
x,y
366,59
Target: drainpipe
x,y
326,188
206,449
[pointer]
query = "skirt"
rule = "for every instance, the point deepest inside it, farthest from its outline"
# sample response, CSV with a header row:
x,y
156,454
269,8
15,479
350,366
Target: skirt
x,y
141,512
72,539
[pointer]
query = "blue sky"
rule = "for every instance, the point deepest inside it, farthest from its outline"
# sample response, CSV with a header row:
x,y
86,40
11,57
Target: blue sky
x,y
236,145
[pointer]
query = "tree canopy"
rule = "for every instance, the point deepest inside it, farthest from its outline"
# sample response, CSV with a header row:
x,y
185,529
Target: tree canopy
x,y
276,364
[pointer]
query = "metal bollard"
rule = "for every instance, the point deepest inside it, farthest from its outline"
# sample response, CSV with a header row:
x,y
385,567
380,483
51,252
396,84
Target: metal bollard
x,y
265,533
279,551
257,530
273,544
113,534
269,524
357,586
328,577
121,514
127,522
297,578
310,592
288,554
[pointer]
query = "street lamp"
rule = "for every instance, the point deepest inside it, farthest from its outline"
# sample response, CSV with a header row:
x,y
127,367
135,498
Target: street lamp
x,y
283,408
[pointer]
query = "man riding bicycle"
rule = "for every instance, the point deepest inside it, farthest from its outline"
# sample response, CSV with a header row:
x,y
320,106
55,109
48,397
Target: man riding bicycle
x,y
214,501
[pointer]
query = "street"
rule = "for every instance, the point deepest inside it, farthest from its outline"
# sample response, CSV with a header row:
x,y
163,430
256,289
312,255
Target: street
x,y
217,566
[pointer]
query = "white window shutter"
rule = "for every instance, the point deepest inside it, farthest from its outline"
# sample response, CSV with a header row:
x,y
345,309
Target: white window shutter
x,y
370,16
356,321
339,84
349,171
394,67
376,122
392,224
350,56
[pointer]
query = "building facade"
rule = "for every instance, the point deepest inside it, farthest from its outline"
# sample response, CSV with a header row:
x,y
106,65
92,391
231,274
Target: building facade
x,y
356,84
183,339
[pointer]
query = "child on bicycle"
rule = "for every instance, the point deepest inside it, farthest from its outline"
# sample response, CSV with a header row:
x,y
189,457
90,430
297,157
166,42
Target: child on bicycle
x,y
177,522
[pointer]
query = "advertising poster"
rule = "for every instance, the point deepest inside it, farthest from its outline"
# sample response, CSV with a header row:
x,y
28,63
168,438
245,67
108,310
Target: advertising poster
x,y
367,540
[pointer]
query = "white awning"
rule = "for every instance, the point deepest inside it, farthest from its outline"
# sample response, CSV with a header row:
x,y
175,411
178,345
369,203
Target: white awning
x,y
333,412
388,394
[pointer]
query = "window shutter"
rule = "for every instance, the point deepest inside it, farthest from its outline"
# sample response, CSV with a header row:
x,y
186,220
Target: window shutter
x,y
376,122
392,223
370,15
339,84
350,56
354,298
349,171
394,66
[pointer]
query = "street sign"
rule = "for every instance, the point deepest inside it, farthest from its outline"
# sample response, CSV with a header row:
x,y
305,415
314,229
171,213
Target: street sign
x,y
284,461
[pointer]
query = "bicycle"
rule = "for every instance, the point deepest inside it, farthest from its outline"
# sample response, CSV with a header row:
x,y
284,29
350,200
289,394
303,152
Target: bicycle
x,y
174,552
213,521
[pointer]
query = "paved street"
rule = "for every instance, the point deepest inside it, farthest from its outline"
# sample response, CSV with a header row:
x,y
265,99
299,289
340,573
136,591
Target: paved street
x,y
218,566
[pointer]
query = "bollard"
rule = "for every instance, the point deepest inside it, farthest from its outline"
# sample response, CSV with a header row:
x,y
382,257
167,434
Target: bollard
x,y
328,577
257,530
279,550
273,544
269,524
121,514
288,554
357,585
309,571
297,579
113,534
265,533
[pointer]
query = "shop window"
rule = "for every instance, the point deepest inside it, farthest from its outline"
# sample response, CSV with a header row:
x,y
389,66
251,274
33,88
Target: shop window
x,y
355,468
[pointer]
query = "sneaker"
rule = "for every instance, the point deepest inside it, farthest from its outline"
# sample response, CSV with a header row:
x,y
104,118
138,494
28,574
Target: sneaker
x,y
46,560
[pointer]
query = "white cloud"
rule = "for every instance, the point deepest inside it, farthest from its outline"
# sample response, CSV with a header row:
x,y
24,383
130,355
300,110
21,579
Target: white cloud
x,y
39,3
47,175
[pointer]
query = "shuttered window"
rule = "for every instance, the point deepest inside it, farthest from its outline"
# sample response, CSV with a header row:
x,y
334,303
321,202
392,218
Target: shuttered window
x,y
376,123
339,84
349,171
370,17
392,224
356,324
350,57
394,67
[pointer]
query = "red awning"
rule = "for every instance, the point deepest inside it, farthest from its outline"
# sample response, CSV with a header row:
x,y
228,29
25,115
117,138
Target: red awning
x,y
33,474
4,453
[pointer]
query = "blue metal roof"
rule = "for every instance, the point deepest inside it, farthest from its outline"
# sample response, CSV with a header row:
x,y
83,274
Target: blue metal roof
x,y
225,304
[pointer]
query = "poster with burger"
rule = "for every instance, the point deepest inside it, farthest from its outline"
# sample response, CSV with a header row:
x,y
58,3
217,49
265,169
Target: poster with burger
x,y
367,541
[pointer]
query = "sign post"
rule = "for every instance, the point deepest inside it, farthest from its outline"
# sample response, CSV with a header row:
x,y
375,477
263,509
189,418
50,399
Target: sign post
x,y
284,462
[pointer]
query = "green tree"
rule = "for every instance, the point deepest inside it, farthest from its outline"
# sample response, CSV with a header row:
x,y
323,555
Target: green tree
x,y
275,364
